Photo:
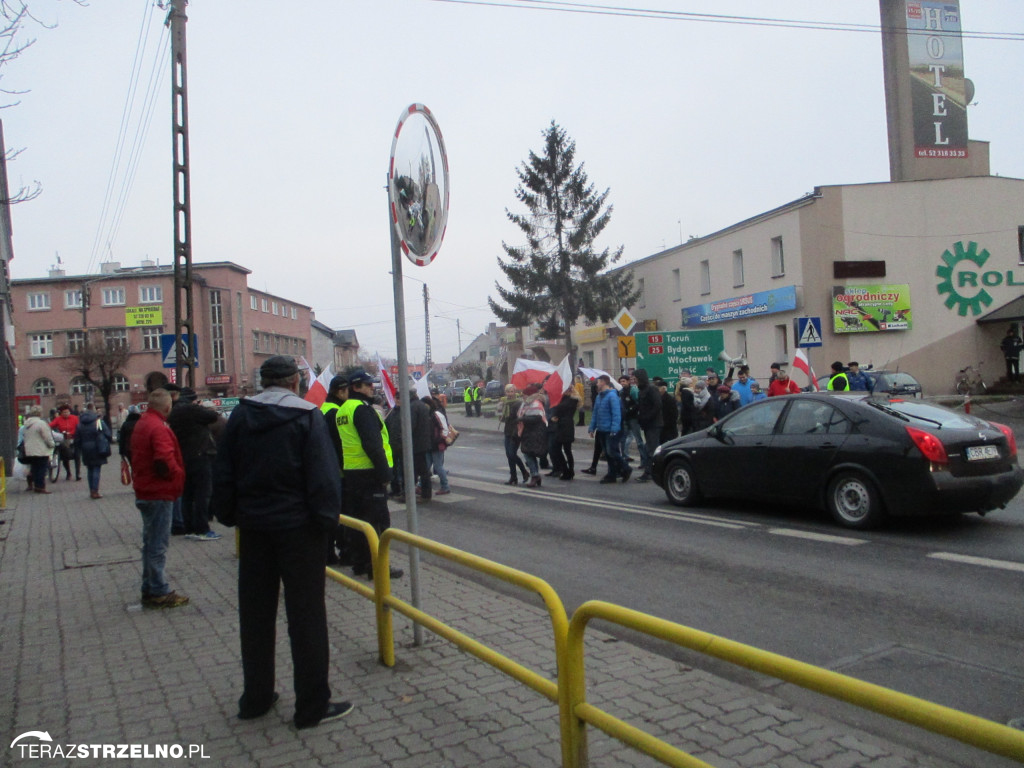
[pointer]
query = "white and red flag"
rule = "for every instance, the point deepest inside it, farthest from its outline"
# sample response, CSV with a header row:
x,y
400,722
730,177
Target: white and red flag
x,y
800,362
559,381
318,387
527,372
386,384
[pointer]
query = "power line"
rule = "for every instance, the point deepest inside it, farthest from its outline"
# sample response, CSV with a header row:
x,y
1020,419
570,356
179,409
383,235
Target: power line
x,y
592,9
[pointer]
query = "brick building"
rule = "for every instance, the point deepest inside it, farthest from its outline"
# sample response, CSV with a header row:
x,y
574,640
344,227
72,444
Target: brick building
x,y
237,327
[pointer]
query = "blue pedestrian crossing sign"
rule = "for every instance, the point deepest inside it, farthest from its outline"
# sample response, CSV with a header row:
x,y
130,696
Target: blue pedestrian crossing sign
x,y
168,353
808,332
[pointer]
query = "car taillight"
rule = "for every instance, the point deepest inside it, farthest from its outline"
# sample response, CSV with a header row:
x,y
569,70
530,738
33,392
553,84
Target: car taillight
x,y
929,445
1011,441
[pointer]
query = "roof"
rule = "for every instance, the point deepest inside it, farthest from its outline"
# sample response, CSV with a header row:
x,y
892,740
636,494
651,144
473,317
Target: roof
x,y
1008,313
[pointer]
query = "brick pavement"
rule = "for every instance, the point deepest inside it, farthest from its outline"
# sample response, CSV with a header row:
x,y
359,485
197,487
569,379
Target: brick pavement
x,y
80,659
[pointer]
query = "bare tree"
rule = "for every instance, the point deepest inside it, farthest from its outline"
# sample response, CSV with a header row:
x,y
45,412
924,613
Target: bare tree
x,y
99,361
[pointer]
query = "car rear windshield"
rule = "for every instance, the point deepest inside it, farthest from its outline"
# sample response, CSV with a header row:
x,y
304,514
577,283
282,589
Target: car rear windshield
x,y
930,415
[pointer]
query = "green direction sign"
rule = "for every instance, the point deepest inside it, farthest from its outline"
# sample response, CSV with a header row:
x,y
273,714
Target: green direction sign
x,y
666,353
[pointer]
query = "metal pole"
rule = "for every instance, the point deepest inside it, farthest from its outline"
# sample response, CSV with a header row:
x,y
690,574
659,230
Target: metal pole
x,y
405,417
427,361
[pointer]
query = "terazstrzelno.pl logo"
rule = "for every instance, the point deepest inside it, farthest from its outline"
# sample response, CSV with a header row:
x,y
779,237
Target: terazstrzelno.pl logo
x,y
39,745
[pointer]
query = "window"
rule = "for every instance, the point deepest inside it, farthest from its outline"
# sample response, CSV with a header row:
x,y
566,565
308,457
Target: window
x,y
41,345
113,297
781,344
705,278
778,258
76,342
741,343
755,419
273,307
302,347
255,341
737,269
38,301
677,285
121,383
813,417
80,386
1020,244
642,301
253,304
73,299
284,310
43,387
218,364
151,294
116,338
295,314
263,304
151,338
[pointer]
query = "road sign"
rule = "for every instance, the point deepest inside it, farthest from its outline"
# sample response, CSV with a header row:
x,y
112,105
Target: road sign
x,y
417,375
624,321
808,332
168,353
627,347
666,353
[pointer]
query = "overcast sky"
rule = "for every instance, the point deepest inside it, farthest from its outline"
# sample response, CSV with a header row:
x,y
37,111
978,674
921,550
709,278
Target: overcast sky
x,y
693,126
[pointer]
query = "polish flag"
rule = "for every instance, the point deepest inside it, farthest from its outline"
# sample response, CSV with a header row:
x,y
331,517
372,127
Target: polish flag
x,y
527,372
800,362
385,382
558,381
318,389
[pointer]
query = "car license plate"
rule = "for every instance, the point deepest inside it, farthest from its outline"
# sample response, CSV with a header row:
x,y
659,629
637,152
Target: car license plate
x,y
980,452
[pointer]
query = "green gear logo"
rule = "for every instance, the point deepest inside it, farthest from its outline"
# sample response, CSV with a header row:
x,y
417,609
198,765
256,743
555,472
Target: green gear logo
x,y
963,303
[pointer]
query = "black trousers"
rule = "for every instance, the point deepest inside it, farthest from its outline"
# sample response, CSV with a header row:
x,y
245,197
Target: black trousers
x,y
296,558
366,500
195,498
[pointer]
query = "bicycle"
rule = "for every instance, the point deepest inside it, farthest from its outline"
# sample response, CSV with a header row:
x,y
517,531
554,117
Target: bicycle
x,y
969,381
55,464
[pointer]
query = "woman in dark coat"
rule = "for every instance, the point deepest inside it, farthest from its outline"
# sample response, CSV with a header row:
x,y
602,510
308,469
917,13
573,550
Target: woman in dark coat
x,y
94,442
533,432
509,410
564,467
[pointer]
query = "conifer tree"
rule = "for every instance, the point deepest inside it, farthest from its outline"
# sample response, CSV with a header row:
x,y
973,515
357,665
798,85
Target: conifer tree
x,y
557,277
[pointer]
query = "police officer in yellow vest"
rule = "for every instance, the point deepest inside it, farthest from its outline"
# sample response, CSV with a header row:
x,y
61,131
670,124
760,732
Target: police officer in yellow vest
x,y
337,394
478,394
467,398
838,382
367,467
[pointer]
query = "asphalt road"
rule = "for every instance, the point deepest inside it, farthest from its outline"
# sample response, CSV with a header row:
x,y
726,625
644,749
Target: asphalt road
x,y
930,608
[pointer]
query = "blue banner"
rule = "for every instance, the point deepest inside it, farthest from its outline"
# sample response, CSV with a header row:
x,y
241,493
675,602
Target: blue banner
x,y
740,307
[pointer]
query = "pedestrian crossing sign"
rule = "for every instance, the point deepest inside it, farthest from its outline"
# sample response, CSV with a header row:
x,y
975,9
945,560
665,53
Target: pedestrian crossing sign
x,y
808,332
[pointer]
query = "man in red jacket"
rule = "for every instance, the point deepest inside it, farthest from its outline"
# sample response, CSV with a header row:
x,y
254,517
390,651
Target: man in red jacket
x,y
158,479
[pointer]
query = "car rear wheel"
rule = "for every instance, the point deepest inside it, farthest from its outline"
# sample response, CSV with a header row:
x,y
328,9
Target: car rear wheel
x,y
681,485
853,501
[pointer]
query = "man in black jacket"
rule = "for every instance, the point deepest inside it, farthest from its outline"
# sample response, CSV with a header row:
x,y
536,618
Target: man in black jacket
x,y
650,417
191,424
276,478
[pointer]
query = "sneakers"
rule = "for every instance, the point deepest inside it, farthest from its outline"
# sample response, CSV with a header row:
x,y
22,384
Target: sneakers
x,y
335,711
170,600
208,536
253,715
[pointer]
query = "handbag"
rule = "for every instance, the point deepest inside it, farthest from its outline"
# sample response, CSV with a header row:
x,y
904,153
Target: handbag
x,y
126,471
102,444
22,458
452,436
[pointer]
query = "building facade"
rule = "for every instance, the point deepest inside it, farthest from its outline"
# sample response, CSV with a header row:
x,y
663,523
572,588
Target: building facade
x,y
237,327
920,276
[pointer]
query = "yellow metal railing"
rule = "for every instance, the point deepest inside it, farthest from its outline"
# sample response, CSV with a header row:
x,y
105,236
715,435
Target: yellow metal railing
x,y
569,692
969,729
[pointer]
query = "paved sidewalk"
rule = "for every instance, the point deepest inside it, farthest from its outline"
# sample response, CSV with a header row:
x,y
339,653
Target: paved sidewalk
x,y
81,660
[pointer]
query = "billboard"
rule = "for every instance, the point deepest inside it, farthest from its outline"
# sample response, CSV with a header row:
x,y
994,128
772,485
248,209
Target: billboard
x,y
938,88
870,308
739,307
666,353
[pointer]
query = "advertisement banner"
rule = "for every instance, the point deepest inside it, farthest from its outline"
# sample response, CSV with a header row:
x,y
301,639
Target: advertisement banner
x,y
740,307
938,89
870,308
666,353
139,316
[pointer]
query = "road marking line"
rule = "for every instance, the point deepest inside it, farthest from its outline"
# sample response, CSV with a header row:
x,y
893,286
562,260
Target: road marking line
x,y
1006,565
845,540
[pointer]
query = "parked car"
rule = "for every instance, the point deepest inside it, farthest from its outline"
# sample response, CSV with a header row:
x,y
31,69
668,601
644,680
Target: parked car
x,y
861,457
494,389
456,389
892,383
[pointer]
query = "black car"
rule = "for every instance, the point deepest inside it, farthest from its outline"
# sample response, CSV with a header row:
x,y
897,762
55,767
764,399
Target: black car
x,y
892,383
859,456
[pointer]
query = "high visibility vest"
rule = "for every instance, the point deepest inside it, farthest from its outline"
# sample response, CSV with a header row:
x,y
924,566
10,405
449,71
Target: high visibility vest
x,y
839,383
467,395
351,446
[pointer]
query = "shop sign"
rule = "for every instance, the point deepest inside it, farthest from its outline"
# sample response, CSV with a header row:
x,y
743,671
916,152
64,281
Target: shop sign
x,y
964,281
870,308
741,307
217,380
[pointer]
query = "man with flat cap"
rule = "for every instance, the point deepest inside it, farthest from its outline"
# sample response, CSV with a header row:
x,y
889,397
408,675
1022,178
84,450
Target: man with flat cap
x,y
276,478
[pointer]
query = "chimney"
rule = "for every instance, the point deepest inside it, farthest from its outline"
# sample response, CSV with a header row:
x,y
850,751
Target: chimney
x,y
55,272
109,267
148,264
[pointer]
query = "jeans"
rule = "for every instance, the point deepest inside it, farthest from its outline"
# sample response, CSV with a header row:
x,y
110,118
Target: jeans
x,y
93,474
531,464
609,442
435,459
156,533
652,439
512,454
631,430
296,558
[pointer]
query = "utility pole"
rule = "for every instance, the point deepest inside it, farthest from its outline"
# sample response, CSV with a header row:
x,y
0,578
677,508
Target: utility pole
x,y
427,362
183,321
